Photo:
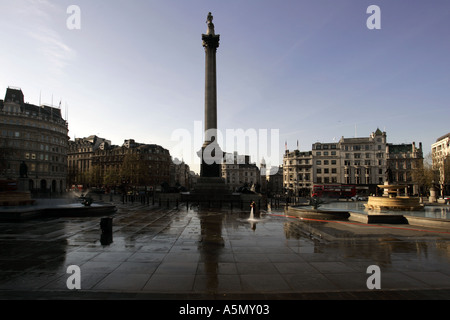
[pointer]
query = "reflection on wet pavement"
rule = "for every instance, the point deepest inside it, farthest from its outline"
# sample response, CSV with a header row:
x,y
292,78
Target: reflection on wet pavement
x,y
157,250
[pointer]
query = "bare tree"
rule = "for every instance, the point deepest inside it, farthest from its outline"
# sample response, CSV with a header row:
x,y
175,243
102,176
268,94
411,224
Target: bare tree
x,y
425,175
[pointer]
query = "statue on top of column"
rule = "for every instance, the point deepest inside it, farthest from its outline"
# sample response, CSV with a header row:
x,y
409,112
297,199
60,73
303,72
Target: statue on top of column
x,y
210,24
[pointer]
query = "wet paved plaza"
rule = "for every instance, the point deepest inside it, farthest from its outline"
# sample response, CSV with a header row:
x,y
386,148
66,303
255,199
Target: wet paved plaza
x,y
160,253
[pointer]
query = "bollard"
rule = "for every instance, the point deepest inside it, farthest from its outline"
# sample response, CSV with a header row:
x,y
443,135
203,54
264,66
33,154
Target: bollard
x,y
106,225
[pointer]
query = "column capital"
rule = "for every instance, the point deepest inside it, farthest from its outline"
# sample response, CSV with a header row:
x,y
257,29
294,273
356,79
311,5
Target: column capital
x,y
211,41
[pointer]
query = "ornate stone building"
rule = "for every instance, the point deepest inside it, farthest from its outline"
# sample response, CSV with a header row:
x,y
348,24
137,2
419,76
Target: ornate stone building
x,y
79,156
180,176
440,152
132,165
402,159
239,172
33,143
298,172
363,161
360,162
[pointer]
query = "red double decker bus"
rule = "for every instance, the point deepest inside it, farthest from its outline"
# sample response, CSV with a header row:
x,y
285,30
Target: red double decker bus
x,y
334,191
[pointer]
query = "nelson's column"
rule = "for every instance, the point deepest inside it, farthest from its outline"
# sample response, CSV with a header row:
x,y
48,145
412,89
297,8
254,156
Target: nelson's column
x,y
211,154
210,182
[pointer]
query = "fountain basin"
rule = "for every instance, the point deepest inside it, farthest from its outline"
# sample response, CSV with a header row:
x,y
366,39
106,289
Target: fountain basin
x,y
311,213
394,203
54,209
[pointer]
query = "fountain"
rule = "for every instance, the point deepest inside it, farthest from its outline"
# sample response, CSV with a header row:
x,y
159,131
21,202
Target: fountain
x,y
392,201
252,215
252,211
312,211
78,206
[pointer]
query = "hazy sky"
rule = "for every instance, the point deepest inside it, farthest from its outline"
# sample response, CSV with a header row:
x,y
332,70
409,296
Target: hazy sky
x,y
309,68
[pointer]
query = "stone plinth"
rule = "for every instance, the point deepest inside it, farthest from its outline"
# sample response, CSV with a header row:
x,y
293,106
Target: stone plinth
x,y
210,189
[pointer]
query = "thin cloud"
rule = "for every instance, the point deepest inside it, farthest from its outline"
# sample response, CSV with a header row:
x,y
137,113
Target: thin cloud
x,y
50,44
39,18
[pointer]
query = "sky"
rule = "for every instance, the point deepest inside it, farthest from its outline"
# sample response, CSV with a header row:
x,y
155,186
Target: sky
x,y
304,70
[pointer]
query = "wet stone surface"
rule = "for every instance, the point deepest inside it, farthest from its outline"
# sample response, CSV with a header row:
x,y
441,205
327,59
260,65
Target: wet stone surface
x,y
187,252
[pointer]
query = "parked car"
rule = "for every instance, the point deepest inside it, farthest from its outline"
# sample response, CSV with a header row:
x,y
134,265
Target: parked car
x,y
358,198
447,199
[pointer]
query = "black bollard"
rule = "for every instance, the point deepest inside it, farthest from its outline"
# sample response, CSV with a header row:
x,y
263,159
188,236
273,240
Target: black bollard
x,y
106,225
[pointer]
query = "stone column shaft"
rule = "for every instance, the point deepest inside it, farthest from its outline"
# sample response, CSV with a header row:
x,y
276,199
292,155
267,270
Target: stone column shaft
x,y
210,90
211,43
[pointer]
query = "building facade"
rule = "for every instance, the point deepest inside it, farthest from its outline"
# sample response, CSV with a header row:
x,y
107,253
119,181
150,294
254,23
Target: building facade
x,y
180,176
440,152
360,162
80,153
239,172
132,165
364,161
402,160
274,182
33,143
298,172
